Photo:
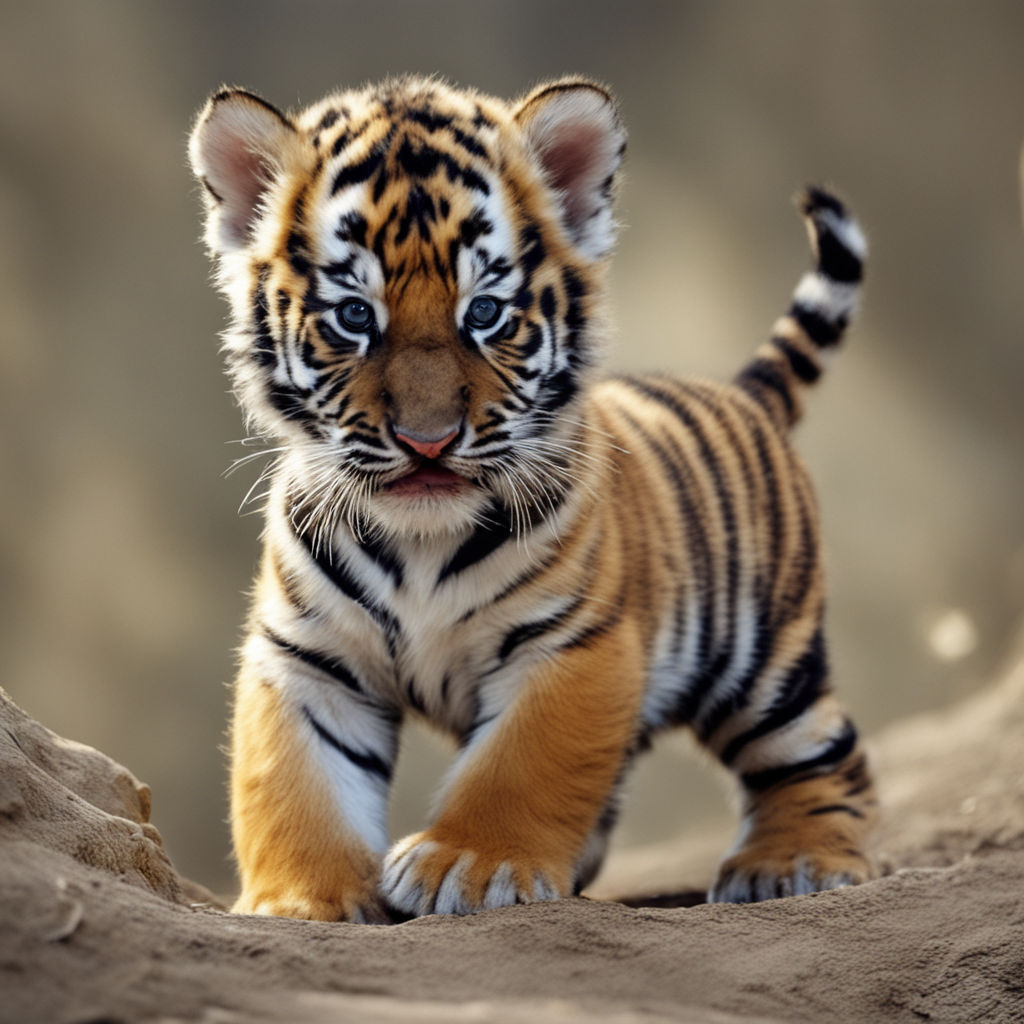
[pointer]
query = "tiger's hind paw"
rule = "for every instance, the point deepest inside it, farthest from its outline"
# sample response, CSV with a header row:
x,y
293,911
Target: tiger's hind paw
x,y
424,875
749,877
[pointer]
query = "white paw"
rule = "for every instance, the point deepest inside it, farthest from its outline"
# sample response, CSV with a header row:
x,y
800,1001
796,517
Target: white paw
x,y
424,876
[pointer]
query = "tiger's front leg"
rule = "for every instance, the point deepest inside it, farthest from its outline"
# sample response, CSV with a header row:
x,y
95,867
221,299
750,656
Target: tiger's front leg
x,y
311,765
528,790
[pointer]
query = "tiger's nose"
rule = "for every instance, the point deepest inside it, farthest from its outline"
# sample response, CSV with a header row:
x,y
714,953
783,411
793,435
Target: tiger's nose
x,y
429,448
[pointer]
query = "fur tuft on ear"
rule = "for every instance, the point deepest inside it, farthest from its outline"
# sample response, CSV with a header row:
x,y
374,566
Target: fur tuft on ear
x,y
575,134
237,147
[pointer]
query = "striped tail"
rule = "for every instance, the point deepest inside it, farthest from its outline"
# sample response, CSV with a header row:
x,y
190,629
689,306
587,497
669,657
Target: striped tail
x,y
823,303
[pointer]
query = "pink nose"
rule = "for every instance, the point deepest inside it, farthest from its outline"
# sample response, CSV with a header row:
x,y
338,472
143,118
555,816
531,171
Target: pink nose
x,y
428,449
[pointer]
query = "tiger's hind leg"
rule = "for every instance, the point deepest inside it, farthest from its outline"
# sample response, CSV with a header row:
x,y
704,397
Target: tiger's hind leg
x,y
802,834
808,798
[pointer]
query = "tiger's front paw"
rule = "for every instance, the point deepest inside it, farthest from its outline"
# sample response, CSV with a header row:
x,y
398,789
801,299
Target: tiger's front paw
x,y
426,875
759,872
362,907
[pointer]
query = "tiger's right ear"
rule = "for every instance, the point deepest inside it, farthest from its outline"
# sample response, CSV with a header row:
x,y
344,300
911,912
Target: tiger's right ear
x,y
238,146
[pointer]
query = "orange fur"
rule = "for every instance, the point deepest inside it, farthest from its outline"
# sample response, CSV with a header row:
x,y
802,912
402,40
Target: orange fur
x,y
294,854
532,793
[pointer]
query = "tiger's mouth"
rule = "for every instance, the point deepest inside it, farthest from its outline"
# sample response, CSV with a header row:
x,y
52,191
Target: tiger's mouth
x,y
428,480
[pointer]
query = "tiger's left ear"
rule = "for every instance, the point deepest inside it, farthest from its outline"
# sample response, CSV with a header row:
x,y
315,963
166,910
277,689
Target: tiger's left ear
x,y
574,132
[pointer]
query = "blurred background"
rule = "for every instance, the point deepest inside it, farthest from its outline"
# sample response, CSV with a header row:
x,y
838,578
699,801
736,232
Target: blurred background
x,y
123,562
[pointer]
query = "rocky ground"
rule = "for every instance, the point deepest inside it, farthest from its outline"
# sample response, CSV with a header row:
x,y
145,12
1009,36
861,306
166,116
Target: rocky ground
x,y
96,925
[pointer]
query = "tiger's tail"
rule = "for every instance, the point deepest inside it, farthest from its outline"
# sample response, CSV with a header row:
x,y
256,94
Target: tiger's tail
x,y
823,303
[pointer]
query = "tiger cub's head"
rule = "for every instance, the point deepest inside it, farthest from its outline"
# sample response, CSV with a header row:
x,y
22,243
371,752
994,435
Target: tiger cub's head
x,y
415,277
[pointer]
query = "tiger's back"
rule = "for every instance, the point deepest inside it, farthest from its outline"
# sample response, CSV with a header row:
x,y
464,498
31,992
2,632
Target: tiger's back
x,y
465,523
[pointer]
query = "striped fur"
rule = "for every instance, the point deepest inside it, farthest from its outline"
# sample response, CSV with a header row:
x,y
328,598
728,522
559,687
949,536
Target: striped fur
x,y
465,522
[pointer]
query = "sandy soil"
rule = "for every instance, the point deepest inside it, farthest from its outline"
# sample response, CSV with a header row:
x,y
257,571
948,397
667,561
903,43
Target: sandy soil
x,y
95,925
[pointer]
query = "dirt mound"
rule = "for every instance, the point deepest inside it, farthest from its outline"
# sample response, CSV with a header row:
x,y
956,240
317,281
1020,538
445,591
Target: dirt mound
x,y
96,925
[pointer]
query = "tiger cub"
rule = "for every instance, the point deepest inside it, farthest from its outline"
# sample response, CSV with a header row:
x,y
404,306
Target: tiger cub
x,y
466,523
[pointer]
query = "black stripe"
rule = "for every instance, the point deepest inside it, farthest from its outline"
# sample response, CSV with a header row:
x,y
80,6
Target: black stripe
x,y
339,342
802,365
531,630
839,748
488,536
548,302
520,581
368,440
370,763
557,391
264,349
739,696
835,258
355,174
340,272
804,683
297,249
473,226
769,476
819,328
335,384
428,118
351,588
292,406
768,374
468,143
442,123
329,119
836,809
713,404
575,320
423,161
290,588
352,228
802,566
332,667
601,628
481,120
413,697
836,261
383,555
532,252
494,436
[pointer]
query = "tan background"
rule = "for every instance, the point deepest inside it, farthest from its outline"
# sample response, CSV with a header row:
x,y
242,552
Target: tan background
x,y
123,564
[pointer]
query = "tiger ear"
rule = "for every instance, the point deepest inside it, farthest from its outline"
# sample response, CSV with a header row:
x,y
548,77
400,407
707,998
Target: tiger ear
x,y
574,132
238,146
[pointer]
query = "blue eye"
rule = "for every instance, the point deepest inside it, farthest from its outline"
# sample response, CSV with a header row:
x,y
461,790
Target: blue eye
x,y
356,315
483,312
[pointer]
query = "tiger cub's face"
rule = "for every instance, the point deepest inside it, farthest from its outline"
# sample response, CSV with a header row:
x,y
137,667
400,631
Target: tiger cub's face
x,y
415,277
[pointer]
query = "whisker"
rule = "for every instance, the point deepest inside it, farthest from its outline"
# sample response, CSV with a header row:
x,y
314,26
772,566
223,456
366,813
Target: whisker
x,y
246,459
